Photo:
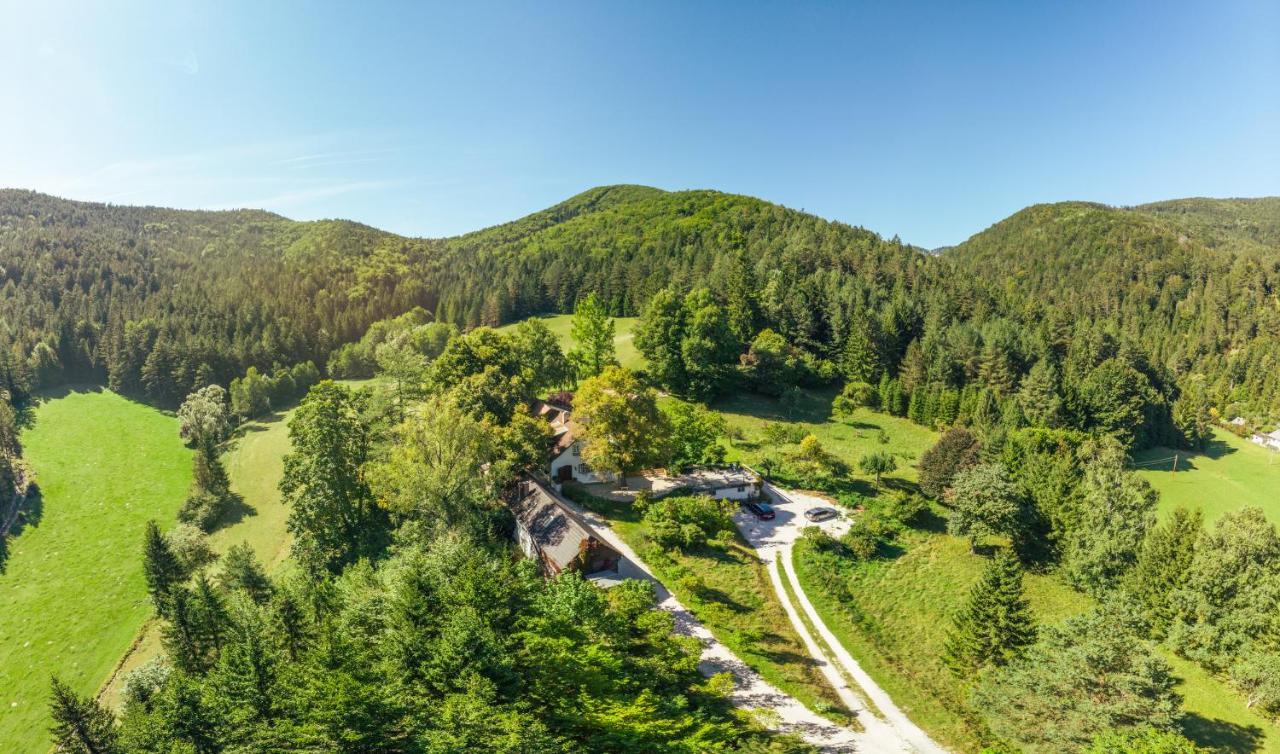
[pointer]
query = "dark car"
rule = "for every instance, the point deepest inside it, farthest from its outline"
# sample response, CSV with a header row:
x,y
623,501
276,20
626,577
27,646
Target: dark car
x,y
763,510
820,514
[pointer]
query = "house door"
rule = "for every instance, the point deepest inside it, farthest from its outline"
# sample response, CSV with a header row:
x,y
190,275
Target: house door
x,y
564,474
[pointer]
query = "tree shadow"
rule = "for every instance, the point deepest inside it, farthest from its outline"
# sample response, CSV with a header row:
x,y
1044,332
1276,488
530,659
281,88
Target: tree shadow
x,y
711,594
1220,735
236,511
29,514
862,425
1217,448
929,520
814,406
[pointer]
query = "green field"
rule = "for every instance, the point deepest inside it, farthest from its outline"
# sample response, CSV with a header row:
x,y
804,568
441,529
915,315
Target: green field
x,y
623,340
1231,474
848,438
254,458
72,596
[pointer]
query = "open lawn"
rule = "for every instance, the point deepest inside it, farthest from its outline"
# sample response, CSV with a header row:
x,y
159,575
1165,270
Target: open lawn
x,y
1231,474
623,341
729,591
892,615
72,595
254,458
848,438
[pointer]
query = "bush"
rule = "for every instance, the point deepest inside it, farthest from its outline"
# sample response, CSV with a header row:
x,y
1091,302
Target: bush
x,y
143,682
861,541
907,508
686,522
203,509
191,547
783,433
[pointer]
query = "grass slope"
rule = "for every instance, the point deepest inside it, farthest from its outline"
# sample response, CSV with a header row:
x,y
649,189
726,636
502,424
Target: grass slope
x,y
73,596
254,458
623,337
847,438
893,617
1231,474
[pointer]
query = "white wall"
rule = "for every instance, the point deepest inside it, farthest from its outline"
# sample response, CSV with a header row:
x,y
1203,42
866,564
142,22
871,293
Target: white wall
x,y
732,493
572,457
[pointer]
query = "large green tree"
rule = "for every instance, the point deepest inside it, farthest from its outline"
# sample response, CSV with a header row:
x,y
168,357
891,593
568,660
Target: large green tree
x,y
1117,509
80,724
333,516
984,503
1089,675
623,428
592,331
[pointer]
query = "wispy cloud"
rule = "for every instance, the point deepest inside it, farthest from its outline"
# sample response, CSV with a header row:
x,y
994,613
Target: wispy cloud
x,y
304,195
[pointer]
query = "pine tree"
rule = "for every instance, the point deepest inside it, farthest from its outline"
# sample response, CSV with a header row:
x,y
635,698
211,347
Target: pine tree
x,y
592,332
180,638
1164,564
242,571
995,624
1038,397
161,568
886,397
858,360
915,409
80,724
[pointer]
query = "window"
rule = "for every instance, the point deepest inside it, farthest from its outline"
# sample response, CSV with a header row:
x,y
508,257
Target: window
x,y
584,469
577,449
742,489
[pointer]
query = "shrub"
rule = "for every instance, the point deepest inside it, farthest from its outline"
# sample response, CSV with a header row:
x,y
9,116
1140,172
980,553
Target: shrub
x,y
191,547
686,522
783,433
861,541
202,509
907,508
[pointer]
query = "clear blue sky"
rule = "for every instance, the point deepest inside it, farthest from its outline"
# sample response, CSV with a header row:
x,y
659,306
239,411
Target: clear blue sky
x,y
930,121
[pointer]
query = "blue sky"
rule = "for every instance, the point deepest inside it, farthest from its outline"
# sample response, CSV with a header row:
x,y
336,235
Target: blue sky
x,y
930,121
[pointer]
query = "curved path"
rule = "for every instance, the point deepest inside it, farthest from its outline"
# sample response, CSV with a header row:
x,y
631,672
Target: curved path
x,y
750,690
887,727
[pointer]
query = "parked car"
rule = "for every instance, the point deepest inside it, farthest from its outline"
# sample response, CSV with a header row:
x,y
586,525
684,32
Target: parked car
x,y
820,514
762,510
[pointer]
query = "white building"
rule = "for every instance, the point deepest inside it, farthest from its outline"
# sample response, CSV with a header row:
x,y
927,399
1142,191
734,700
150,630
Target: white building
x,y
1269,440
566,463
732,482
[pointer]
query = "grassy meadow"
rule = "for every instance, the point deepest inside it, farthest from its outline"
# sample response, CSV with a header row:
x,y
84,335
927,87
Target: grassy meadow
x,y
848,438
623,340
1231,474
254,458
72,594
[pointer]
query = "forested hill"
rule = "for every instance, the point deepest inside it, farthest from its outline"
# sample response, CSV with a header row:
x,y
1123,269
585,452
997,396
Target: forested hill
x,y
96,292
627,242
1194,284
155,301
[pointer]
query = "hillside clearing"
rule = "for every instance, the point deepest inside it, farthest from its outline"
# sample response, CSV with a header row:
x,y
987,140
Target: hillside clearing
x,y
623,337
1231,474
72,596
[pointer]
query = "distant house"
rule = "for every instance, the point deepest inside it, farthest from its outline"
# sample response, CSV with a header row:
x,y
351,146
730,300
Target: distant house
x,y
1268,440
565,463
549,531
1239,421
